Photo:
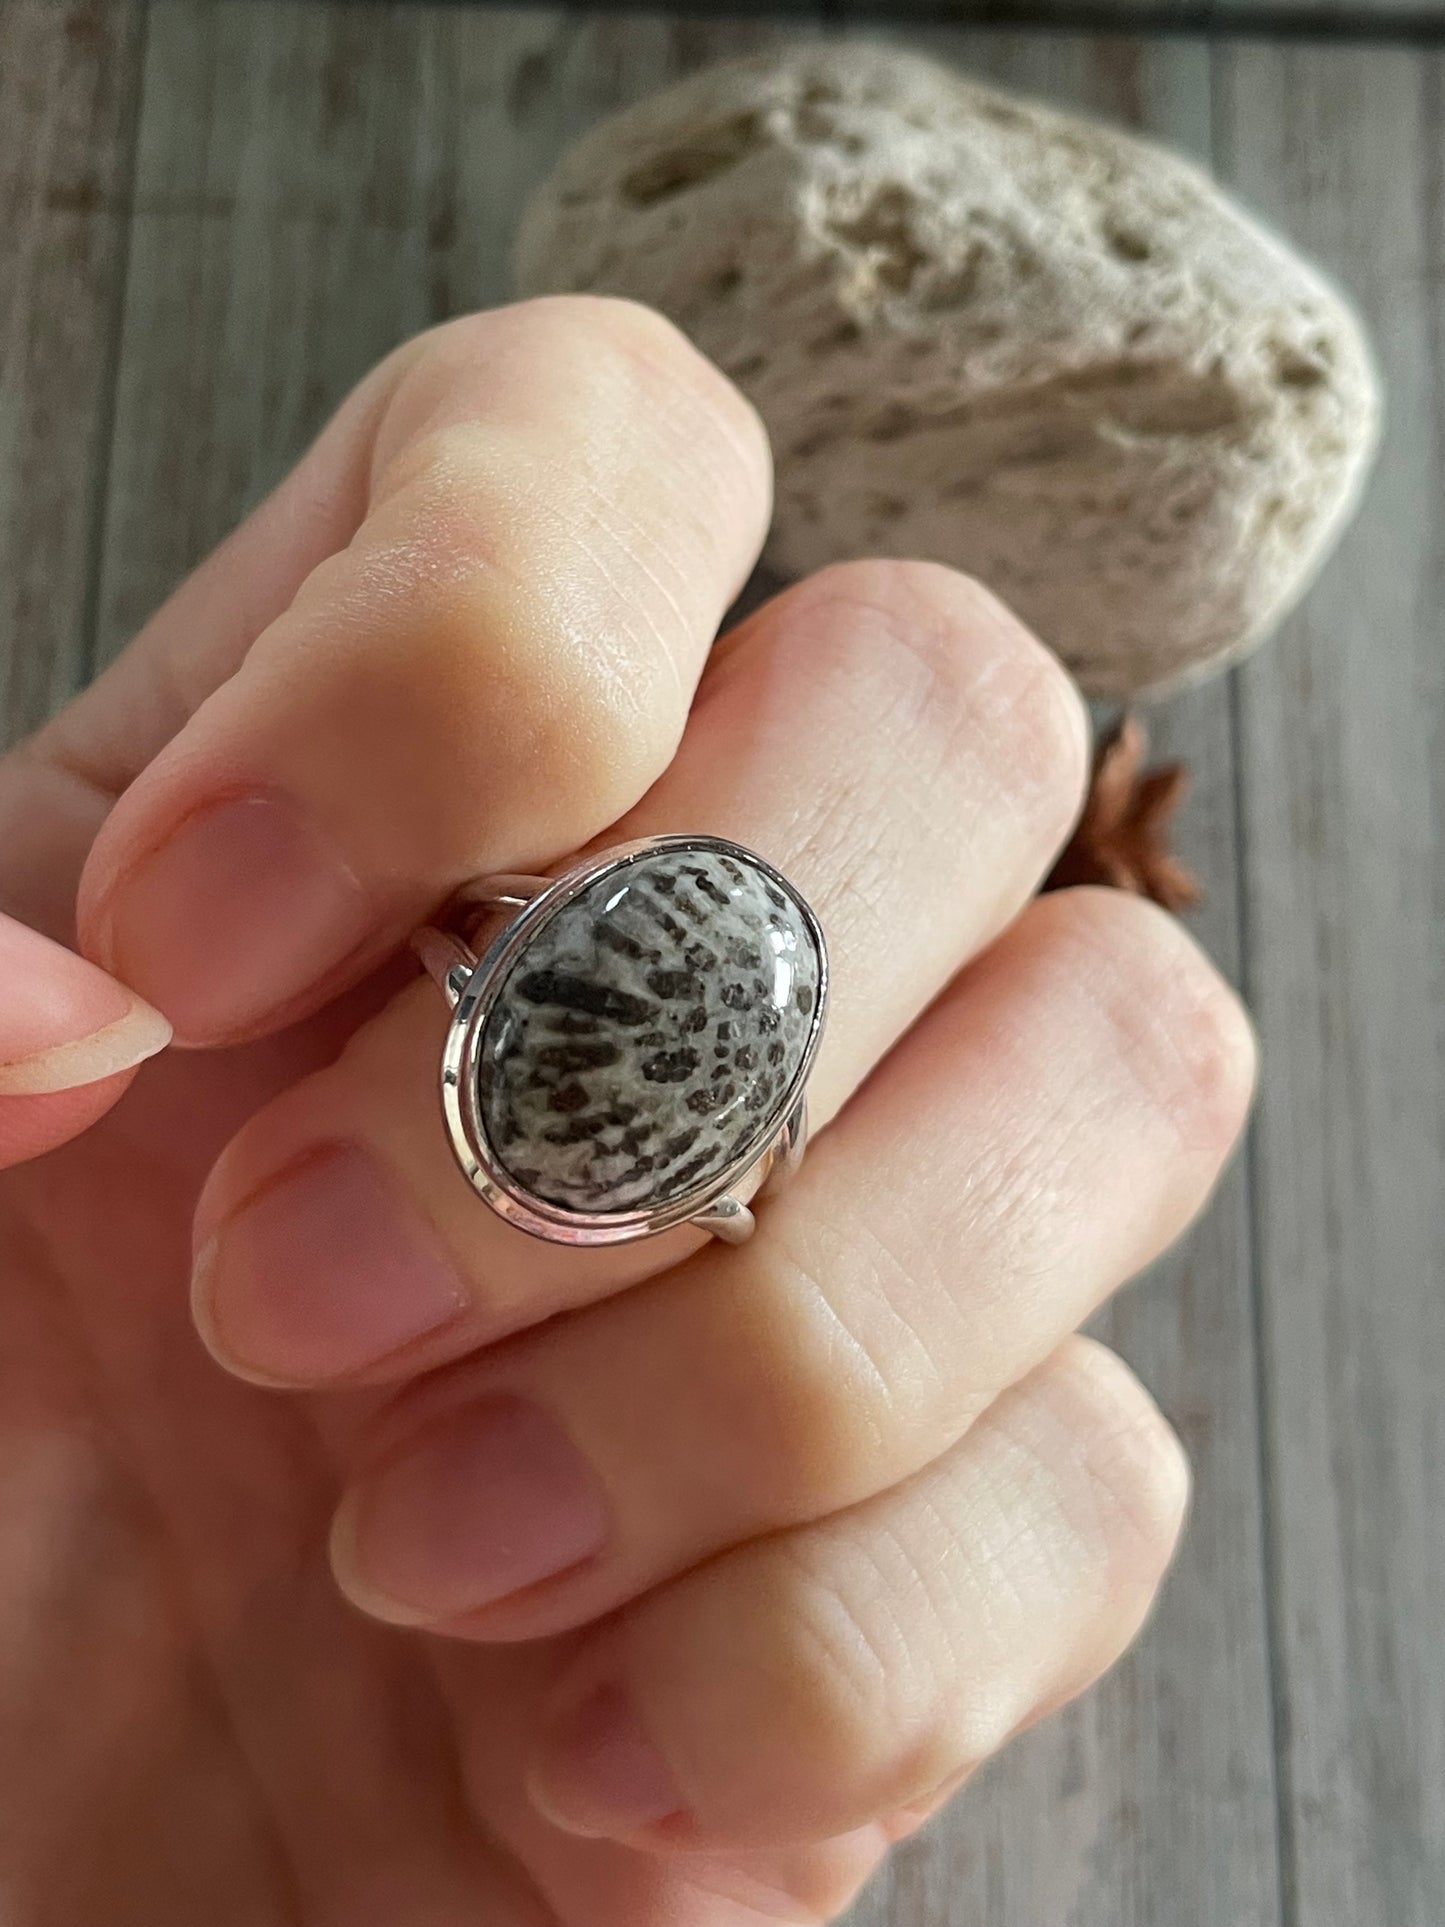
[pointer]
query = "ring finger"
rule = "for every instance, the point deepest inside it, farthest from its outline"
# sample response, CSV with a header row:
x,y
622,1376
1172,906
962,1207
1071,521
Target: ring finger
x,y
861,732
1049,1127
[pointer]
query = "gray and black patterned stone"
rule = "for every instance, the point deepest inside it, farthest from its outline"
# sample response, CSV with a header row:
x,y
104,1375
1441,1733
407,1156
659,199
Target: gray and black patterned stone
x,y
648,1034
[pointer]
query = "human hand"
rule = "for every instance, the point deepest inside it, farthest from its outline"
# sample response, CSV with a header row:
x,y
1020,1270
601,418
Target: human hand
x,y
721,1568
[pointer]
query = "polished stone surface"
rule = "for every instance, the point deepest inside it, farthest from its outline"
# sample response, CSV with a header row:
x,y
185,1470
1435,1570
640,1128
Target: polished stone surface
x,y
649,1033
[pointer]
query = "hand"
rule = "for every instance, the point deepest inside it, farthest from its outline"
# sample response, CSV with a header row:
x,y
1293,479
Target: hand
x,y
730,1563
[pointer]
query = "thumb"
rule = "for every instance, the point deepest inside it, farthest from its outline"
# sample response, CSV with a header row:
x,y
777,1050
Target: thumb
x,y
70,1037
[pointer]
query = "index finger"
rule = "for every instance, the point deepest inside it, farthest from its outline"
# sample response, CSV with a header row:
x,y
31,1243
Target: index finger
x,y
563,497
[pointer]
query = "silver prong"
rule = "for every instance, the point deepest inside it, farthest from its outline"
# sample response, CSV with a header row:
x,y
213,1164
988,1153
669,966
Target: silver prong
x,y
446,960
725,1218
789,1146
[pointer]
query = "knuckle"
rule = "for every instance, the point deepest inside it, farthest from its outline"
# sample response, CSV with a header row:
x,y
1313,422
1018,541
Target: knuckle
x,y
601,718
1127,1477
462,569
631,363
989,685
864,1707
1181,1028
599,337
596,326
626,341
589,381
517,554
565,359
820,1428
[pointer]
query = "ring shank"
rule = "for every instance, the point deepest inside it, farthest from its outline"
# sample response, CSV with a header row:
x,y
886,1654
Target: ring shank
x,y
447,948
485,895
445,959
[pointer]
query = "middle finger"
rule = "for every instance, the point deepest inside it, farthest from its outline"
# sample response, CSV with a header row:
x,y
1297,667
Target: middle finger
x,y
1051,1124
888,736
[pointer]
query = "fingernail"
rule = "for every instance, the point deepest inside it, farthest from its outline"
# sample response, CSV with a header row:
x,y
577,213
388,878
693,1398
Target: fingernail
x,y
64,1023
598,1774
322,1273
234,916
490,1500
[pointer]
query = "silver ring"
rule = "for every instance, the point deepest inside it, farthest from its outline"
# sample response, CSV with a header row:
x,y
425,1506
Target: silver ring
x,y
630,1050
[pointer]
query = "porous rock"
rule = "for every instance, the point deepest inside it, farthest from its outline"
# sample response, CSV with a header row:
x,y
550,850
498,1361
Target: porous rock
x,y
990,334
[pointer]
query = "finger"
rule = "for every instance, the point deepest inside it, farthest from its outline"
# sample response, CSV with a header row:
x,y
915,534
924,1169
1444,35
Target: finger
x,y
1046,1130
604,1883
562,499
811,1682
339,1238
70,1037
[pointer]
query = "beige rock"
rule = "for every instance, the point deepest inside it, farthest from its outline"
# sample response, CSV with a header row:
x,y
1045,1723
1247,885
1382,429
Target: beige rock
x,y
991,334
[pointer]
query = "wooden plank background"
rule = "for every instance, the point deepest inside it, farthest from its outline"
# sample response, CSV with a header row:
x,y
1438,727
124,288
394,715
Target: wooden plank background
x,y
218,213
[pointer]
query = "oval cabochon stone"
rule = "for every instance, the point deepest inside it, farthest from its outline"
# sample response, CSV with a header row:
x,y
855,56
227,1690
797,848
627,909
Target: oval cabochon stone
x,y
649,1034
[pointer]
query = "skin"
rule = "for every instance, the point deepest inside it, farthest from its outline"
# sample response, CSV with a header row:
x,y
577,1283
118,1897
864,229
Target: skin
x,y
672,1583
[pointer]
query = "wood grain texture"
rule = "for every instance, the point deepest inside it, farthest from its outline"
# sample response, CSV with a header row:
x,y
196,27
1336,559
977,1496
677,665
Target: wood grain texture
x,y
1342,784
282,242
68,83
517,85
314,184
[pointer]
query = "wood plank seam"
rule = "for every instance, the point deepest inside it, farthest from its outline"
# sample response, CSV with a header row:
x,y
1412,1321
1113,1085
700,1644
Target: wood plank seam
x,y
1286,1843
1218,19
110,383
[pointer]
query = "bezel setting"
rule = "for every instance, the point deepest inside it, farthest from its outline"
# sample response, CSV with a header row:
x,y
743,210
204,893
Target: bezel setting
x,y
775,1141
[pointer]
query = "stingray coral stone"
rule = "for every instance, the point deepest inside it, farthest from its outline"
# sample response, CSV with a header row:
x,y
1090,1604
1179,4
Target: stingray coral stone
x,y
651,1034
990,334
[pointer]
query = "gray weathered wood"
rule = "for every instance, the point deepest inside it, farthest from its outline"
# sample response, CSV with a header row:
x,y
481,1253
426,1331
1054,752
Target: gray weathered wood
x,y
313,185
521,84
282,242
1343,784
68,80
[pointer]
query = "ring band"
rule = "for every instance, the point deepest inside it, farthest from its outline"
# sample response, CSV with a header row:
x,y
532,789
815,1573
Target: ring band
x,y
630,1049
